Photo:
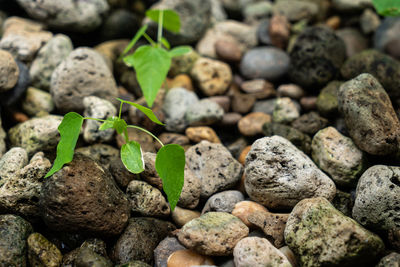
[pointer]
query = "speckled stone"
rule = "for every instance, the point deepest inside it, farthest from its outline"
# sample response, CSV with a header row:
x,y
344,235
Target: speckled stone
x,y
310,123
12,162
224,201
200,133
37,101
203,112
164,249
9,71
41,252
285,111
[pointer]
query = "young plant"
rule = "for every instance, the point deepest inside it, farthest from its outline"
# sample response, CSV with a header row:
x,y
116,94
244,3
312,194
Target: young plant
x,y
151,63
387,7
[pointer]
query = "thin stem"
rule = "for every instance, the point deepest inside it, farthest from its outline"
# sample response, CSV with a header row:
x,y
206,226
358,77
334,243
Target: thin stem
x,y
149,133
120,110
148,38
160,25
89,118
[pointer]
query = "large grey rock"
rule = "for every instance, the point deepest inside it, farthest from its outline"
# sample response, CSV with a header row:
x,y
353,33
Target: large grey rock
x,y
48,58
79,16
214,166
12,162
320,235
369,115
391,260
278,175
377,198
83,73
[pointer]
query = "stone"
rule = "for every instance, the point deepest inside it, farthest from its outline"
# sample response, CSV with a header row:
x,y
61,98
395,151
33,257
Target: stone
x,y
369,21
223,100
263,32
278,175
289,255
97,108
185,257
315,230
149,231
256,251
145,140
82,73
101,153
200,133
9,71
244,209
134,264
259,88
268,63
351,5
265,106
383,67
203,112
285,111
120,23
173,138
11,162
182,216
164,249
82,197
387,31
327,102
290,90
243,154
37,101
218,13
177,101
213,234
338,156
77,16
41,252
231,119
146,200
344,202
214,166
11,97
376,205
230,30
254,11
237,146
308,103
391,260
223,201
183,81
3,135
353,39
13,248
252,123
310,123
296,10
242,103
392,49
120,173
23,38
228,51
87,257
183,64
369,115
316,57
48,58
279,31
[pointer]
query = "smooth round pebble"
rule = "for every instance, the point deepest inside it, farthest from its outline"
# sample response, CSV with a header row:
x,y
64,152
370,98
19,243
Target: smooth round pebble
x,y
185,257
223,201
244,208
252,123
200,133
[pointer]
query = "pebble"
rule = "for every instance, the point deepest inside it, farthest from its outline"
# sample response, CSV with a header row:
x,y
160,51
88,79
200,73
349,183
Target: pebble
x,y
263,32
164,249
243,154
230,119
242,103
213,234
185,257
200,133
391,260
310,123
275,161
214,165
259,88
85,69
43,130
79,16
369,115
338,156
237,146
182,216
272,224
149,231
333,22
279,31
37,101
353,39
9,71
98,108
23,38
87,257
183,81
134,264
146,200
315,229
252,123
344,202
13,247
308,102
256,251
223,201
183,64
285,111
327,102
177,101
296,10
12,96
387,31
145,140
41,252
369,21
268,63
11,162
244,209
223,100
254,11
376,205
313,46
228,51
94,204
213,77
120,23
289,255
290,90
265,106
102,153
203,112
351,5
173,138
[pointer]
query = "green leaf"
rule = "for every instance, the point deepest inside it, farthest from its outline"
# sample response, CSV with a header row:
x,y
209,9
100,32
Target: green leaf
x,y
165,43
109,123
69,130
170,166
131,156
387,7
170,19
151,65
120,125
137,36
180,50
148,112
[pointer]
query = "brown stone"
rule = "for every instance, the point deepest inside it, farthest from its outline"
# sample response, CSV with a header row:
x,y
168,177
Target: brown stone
x,y
252,123
172,138
230,119
244,208
145,140
258,88
279,31
200,133
333,22
228,50
182,80
243,154
290,90
181,216
222,100
309,102
184,258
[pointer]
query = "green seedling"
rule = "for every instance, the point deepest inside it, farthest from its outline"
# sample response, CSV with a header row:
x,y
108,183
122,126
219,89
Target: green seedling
x,y
151,63
387,7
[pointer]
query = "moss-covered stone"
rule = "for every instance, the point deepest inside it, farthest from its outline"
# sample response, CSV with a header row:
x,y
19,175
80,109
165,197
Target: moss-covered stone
x,y
43,253
327,102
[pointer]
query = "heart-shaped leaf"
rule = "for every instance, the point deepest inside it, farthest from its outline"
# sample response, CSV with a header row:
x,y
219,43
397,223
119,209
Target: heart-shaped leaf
x,y
132,158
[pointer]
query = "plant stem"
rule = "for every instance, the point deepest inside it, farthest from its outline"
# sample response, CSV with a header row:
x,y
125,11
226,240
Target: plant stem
x,y
149,133
148,38
120,110
160,25
88,118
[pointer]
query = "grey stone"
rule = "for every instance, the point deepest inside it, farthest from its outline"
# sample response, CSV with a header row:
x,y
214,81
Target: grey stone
x,y
88,258
48,58
37,134
120,173
343,202
315,230
224,201
256,251
296,10
41,252
278,175
79,16
377,204
254,12
177,101
214,233
98,108
310,123
285,111
387,31
83,73
9,71
37,101
120,24
11,97
351,5
214,166
11,162
204,112
164,249
218,13
391,260
268,63
353,39
183,64
265,106
102,153
369,115
369,21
